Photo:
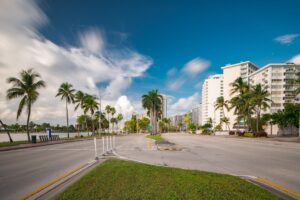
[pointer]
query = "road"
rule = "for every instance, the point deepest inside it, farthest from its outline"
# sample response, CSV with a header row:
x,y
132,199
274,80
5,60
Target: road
x,y
22,171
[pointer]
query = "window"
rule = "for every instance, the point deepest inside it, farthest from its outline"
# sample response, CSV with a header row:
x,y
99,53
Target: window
x,y
276,80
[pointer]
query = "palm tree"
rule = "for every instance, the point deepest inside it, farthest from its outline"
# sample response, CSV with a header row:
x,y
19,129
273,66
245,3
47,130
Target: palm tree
x,y
26,88
119,119
7,131
113,112
152,102
221,104
66,92
108,111
90,104
79,99
241,102
260,100
226,121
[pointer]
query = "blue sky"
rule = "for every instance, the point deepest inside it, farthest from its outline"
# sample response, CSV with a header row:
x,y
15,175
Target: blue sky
x,y
175,32
127,48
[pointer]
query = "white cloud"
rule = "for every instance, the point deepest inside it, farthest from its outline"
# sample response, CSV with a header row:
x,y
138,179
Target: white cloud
x,y
23,47
184,104
195,66
199,85
295,59
286,39
176,84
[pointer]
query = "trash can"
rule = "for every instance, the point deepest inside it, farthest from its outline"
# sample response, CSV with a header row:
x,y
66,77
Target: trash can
x,y
33,139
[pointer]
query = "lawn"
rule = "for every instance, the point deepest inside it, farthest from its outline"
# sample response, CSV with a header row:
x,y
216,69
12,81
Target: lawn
x,y
117,179
156,137
9,144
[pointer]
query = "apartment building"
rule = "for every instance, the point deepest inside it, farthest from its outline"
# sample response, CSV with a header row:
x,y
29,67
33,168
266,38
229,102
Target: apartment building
x,y
230,74
197,114
212,88
277,79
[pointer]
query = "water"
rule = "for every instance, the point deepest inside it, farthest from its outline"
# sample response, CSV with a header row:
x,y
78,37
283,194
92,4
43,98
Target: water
x,y
23,136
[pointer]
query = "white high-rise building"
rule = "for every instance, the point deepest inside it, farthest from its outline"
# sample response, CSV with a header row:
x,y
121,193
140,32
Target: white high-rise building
x,y
230,74
212,88
164,106
197,114
277,79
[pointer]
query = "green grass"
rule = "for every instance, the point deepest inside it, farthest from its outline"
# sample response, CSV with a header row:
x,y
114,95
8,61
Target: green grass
x,y
9,144
116,179
156,137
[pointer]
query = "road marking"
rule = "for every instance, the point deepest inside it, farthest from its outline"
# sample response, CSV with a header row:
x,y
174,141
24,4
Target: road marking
x,y
30,194
279,187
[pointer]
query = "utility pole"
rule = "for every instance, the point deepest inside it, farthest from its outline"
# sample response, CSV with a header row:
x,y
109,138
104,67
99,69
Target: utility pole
x,y
99,112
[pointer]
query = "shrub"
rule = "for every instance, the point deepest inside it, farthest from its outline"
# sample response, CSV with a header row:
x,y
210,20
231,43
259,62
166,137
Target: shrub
x,y
260,134
240,133
231,133
248,134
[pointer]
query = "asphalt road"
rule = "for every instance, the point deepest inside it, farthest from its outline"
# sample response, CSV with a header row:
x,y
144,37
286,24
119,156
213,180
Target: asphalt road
x,y
275,161
22,171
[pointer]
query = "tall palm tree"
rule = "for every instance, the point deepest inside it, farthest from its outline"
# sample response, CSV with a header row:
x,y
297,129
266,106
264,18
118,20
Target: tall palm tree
x,y
241,102
259,100
91,105
113,112
27,89
108,111
119,119
7,131
66,92
221,104
79,99
226,121
152,102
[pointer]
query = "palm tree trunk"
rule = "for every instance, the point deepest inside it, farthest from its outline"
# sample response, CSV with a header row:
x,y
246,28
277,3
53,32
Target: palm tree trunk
x,y
7,131
86,126
67,118
92,125
28,119
257,120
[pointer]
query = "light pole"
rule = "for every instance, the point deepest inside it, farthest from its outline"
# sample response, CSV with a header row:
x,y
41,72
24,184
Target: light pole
x,y
99,112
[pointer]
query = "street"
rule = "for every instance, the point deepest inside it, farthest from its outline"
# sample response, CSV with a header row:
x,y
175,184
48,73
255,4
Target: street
x,y
22,171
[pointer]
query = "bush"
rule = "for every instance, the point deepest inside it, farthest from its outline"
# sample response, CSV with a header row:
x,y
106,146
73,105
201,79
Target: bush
x,y
240,133
260,134
231,133
248,134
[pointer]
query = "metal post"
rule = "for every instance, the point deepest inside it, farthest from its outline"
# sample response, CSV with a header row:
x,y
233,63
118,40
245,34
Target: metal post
x,y
114,142
106,143
110,141
95,144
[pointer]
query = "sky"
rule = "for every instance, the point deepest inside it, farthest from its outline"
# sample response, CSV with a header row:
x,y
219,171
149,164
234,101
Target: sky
x,y
122,49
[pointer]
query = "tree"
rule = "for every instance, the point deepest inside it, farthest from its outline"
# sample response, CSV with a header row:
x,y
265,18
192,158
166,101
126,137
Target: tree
x,y
119,119
260,101
108,111
79,100
113,112
152,102
27,89
143,123
7,131
188,120
221,104
225,120
91,105
66,92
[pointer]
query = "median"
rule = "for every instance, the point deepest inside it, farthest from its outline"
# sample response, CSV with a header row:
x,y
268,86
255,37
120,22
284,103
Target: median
x,y
118,179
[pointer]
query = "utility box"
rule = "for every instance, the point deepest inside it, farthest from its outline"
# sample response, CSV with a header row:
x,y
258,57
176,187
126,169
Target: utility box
x,y
49,132
33,139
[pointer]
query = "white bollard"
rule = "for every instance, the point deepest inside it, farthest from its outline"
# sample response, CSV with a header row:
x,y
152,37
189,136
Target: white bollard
x,y
114,142
103,146
110,142
106,144
95,144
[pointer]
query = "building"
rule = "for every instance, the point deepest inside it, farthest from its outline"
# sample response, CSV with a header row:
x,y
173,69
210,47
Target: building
x,y
277,79
212,88
230,74
197,115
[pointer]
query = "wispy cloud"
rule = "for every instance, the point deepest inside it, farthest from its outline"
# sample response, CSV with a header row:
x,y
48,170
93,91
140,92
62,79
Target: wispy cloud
x,y
185,104
176,84
85,66
286,39
195,66
295,59
172,72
